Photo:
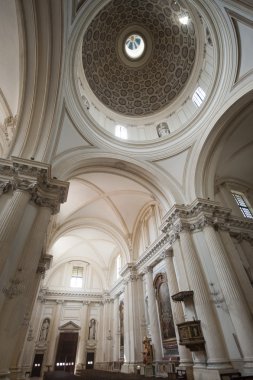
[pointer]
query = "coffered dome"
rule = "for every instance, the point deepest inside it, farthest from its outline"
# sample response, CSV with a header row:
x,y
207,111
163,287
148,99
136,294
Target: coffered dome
x,y
142,85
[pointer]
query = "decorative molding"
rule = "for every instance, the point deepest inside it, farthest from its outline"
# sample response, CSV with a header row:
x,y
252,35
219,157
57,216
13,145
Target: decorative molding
x,y
153,251
166,253
46,294
9,127
5,186
69,326
198,215
240,236
107,298
44,264
14,289
34,177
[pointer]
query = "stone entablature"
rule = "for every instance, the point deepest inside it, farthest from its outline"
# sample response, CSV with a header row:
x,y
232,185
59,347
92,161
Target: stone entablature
x,y
203,212
70,295
34,177
192,217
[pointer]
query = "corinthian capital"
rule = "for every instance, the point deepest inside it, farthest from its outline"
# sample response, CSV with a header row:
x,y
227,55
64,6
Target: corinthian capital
x,y
166,253
5,186
44,264
148,269
34,177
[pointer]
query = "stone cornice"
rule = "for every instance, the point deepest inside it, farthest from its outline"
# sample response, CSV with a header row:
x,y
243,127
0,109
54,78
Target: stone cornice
x,y
69,294
117,288
34,177
127,269
152,252
44,264
200,214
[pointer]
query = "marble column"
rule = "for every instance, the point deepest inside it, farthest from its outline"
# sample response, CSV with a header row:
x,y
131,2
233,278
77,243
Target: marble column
x,y
217,356
80,358
116,329
241,267
183,282
107,330
124,367
17,306
53,333
248,250
153,316
239,312
11,217
132,325
176,307
33,267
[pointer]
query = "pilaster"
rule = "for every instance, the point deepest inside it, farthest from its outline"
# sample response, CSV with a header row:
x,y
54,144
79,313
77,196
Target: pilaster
x,y
116,329
177,310
80,356
153,315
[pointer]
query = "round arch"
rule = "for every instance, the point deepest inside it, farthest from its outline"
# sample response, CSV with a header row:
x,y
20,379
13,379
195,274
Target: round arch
x,y
95,224
160,184
207,151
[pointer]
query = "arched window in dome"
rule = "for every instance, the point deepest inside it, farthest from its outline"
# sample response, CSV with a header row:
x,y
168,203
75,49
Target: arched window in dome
x,y
121,132
198,96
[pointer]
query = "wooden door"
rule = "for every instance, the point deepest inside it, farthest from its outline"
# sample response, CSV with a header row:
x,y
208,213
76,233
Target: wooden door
x,y
90,360
66,352
37,365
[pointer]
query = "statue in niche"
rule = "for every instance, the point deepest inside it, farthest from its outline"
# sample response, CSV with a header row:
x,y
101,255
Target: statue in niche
x,y
44,330
92,329
147,351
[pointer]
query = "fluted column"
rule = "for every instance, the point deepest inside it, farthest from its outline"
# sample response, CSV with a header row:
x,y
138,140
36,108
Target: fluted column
x,y
107,330
234,298
241,267
31,266
17,305
53,332
215,347
135,302
248,250
11,217
126,325
116,330
153,315
5,186
176,307
80,359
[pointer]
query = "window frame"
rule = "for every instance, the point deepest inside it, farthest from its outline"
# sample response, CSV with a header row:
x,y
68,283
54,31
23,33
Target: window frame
x,y
76,280
243,203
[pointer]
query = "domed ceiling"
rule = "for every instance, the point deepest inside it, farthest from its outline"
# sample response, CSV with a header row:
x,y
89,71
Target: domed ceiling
x,y
138,87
